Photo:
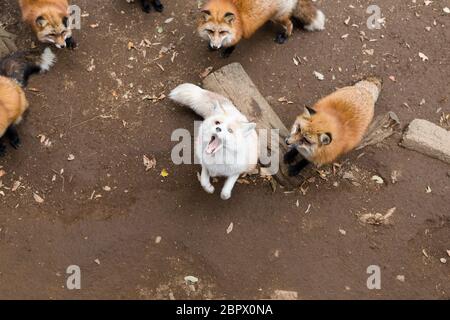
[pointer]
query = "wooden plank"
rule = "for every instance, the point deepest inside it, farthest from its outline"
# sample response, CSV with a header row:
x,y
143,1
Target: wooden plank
x,y
234,83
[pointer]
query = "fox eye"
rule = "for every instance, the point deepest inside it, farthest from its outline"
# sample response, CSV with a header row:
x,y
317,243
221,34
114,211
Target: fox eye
x,y
222,33
209,31
217,123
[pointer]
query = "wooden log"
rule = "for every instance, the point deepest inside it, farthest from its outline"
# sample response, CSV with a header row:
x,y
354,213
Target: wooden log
x,y
233,82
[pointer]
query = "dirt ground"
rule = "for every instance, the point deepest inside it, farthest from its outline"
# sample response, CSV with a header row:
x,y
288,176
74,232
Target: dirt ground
x,y
105,213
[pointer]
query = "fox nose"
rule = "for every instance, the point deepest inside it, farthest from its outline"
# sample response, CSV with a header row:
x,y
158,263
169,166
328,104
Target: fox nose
x,y
218,129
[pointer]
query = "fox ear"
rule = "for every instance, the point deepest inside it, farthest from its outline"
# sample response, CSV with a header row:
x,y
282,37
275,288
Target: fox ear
x,y
41,21
65,21
326,138
229,17
206,15
309,112
247,127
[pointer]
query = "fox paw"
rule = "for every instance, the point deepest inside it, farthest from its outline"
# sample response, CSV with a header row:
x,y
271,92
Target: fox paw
x,y
226,53
293,171
281,38
209,188
2,150
290,156
225,195
15,142
71,43
158,6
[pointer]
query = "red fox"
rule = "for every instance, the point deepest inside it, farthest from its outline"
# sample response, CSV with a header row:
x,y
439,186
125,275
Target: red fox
x,y
15,70
12,106
49,19
334,126
225,22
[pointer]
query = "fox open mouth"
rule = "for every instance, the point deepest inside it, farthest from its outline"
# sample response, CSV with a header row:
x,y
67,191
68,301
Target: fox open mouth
x,y
213,145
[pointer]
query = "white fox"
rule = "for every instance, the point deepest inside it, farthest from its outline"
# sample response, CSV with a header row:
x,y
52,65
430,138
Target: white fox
x,y
227,143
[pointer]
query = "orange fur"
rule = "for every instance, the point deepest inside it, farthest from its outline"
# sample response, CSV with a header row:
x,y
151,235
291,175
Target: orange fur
x,y
345,116
46,19
251,15
13,103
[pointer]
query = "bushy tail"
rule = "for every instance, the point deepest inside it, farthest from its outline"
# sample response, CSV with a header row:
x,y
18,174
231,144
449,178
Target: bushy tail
x,y
373,85
311,18
47,60
22,65
203,102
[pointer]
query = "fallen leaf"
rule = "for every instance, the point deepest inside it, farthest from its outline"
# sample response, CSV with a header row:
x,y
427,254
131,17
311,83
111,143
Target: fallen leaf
x,y
190,279
16,186
164,173
230,228
319,76
206,72
423,56
377,179
149,163
37,198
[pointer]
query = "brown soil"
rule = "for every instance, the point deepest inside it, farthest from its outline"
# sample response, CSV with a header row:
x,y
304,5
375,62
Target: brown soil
x,y
99,116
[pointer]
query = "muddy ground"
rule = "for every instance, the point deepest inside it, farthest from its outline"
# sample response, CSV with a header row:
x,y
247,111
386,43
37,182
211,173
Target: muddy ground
x,y
105,213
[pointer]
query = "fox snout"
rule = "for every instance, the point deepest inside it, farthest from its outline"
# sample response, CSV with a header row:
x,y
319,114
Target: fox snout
x,y
289,140
215,45
60,43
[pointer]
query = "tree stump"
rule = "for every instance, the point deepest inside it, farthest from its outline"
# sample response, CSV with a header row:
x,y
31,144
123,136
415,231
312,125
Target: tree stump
x,y
234,83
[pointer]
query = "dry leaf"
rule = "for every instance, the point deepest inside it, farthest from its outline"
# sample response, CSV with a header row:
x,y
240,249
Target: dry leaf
x,y
423,56
149,163
164,173
230,228
37,198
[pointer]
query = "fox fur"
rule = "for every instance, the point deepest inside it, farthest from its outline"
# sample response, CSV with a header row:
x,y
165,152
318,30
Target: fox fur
x,y
333,126
225,22
227,144
49,20
15,70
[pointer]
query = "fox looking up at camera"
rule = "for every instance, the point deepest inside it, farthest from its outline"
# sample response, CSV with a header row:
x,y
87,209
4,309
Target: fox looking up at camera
x,y
333,126
49,19
225,22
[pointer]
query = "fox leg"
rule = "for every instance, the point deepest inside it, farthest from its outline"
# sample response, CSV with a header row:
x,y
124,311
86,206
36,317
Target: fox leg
x,y
205,181
226,53
2,148
295,169
290,156
146,6
228,187
158,5
13,136
71,43
288,27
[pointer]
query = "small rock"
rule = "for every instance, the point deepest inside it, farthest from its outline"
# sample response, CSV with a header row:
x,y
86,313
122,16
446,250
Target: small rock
x,y
284,295
401,278
443,260
190,280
